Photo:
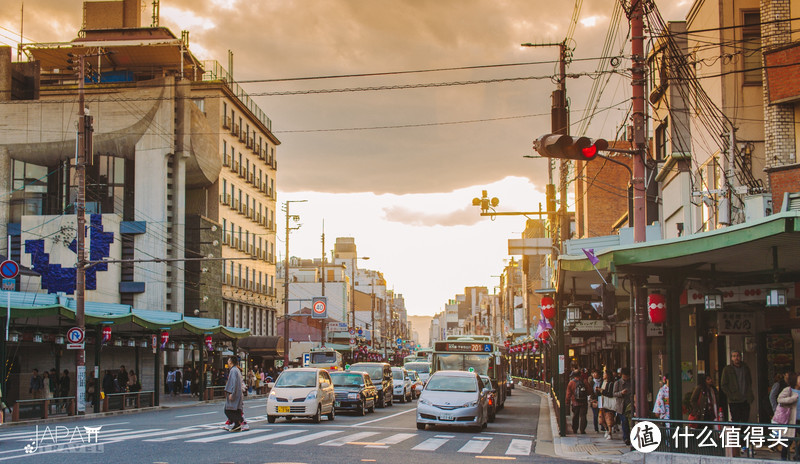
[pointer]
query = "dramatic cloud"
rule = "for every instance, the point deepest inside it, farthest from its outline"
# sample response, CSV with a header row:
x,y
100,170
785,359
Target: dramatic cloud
x,y
462,217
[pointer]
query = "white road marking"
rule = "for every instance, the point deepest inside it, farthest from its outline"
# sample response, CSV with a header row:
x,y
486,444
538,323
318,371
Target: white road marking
x,y
383,418
519,447
393,440
305,438
445,436
431,444
474,446
223,435
348,438
269,436
183,435
198,414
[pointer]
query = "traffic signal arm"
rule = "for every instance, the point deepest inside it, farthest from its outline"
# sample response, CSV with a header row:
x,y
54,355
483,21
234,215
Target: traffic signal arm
x,y
568,147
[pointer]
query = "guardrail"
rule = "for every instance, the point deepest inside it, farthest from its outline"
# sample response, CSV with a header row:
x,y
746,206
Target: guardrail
x,y
43,408
130,400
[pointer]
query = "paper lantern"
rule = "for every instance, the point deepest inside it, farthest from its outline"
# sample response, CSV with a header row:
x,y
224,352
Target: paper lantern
x,y
209,343
164,339
106,334
536,345
545,335
657,308
548,307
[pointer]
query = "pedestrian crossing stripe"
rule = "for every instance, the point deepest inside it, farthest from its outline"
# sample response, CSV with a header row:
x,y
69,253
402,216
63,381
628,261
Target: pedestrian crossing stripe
x,y
475,446
269,436
519,447
431,444
187,435
349,439
305,438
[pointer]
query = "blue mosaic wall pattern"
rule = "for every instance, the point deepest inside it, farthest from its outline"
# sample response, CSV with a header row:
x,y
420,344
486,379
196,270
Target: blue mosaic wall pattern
x,y
56,278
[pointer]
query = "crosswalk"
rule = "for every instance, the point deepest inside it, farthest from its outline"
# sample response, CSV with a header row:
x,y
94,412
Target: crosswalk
x,y
468,444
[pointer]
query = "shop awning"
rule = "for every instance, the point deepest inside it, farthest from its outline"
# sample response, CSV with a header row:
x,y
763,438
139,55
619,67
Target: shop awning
x,y
262,345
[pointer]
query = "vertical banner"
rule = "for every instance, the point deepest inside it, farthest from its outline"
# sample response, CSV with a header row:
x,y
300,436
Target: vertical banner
x,y
81,388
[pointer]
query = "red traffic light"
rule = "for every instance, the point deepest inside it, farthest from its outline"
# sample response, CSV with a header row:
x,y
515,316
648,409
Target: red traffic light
x,y
568,147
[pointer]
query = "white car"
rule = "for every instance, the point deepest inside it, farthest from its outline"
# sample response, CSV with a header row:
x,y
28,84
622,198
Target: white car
x,y
401,384
304,392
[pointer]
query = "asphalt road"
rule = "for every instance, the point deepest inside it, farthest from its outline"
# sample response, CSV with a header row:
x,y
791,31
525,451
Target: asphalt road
x,y
194,435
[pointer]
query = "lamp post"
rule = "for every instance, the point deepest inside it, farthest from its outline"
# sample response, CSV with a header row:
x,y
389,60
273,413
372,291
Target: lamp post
x,y
286,282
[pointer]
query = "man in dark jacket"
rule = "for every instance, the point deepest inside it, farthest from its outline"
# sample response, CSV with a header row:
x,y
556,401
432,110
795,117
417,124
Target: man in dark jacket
x,y
623,391
737,384
578,398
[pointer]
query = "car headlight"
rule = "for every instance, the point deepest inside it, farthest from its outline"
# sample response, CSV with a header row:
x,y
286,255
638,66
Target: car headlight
x,y
469,405
424,401
272,393
312,395
353,396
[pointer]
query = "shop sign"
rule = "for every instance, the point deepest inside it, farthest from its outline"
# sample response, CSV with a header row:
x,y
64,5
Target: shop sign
x,y
588,326
729,323
655,330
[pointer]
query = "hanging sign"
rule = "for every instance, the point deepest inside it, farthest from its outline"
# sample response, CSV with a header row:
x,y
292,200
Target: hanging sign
x,y
164,338
106,334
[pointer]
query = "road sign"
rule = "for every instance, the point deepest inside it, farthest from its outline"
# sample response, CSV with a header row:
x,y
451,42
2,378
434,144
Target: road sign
x,y
471,369
360,332
75,338
399,340
347,367
306,359
9,269
9,285
337,326
352,341
352,331
320,308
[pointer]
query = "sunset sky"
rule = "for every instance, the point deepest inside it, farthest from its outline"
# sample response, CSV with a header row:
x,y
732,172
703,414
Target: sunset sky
x,y
397,169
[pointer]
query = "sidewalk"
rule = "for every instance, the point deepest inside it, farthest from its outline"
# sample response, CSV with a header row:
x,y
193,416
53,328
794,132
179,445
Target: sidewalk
x,y
592,446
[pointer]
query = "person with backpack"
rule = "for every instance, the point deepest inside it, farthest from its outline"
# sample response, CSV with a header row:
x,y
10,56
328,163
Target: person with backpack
x,y
578,398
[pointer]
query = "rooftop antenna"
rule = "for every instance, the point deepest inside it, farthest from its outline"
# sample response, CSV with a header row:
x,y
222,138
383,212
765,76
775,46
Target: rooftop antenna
x,y
156,13
21,23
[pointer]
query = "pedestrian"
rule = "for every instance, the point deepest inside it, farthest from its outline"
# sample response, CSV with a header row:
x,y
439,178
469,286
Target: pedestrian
x,y
594,382
661,407
178,386
623,393
170,380
234,402
47,393
737,384
108,383
36,386
781,381
122,378
609,410
704,402
578,398
133,382
63,384
786,413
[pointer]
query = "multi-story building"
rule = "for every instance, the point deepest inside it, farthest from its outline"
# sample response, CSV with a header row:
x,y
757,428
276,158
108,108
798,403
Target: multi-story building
x,y
182,173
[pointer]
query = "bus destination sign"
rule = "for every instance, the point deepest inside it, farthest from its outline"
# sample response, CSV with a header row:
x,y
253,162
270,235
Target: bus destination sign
x,y
461,347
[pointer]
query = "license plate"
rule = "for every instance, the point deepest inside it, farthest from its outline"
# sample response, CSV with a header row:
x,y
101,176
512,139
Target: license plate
x,y
283,409
337,404
447,417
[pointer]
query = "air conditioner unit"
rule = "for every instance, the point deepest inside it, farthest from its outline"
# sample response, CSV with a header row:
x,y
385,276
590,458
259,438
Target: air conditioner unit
x,y
757,206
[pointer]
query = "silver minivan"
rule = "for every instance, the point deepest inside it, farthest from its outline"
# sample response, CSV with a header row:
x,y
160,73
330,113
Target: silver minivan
x,y
303,392
454,398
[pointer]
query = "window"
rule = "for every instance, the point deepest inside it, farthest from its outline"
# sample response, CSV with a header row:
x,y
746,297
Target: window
x,y
225,148
751,47
661,141
201,103
29,190
105,184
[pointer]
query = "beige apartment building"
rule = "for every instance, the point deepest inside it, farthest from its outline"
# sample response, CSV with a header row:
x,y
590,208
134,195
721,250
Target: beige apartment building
x,y
181,184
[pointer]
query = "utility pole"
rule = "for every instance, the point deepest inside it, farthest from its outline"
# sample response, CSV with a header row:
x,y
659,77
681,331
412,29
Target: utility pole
x,y
286,317
84,147
639,197
322,282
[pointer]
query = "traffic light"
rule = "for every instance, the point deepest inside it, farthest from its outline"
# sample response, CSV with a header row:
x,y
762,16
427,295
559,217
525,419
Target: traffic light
x,y
568,147
607,305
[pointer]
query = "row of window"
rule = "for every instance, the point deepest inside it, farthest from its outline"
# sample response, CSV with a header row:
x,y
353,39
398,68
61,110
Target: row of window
x,y
243,240
260,321
241,129
241,276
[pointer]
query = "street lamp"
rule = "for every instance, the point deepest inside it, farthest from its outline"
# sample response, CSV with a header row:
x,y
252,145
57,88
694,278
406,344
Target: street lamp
x,y
296,219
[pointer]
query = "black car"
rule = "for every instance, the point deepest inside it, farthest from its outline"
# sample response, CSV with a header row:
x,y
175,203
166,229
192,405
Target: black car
x,y
381,375
354,392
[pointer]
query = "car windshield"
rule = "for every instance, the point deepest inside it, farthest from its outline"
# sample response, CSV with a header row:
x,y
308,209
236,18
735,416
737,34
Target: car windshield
x,y
297,379
452,383
323,357
347,380
375,372
397,373
422,368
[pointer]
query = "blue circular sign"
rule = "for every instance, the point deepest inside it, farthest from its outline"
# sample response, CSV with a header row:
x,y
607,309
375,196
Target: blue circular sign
x,y
9,269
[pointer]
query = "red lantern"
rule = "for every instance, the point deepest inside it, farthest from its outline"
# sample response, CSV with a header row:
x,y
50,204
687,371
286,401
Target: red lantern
x,y
545,335
209,343
548,307
164,339
657,308
508,342
106,333
536,345
530,346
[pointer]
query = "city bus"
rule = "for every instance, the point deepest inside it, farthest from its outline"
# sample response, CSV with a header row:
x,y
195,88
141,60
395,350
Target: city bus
x,y
421,355
323,358
474,353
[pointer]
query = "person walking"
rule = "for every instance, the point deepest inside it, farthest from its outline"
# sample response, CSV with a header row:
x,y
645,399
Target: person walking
x,y
623,393
609,408
594,382
661,407
178,386
781,382
703,403
786,412
63,384
46,385
122,379
170,381
36,385
234,403
578,399
737,384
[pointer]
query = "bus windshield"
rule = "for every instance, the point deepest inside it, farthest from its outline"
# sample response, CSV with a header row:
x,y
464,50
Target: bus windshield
x,y
420,367
323,357
481,363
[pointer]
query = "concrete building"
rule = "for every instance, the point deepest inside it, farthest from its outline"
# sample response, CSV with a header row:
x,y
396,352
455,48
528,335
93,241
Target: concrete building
x,y
183,167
